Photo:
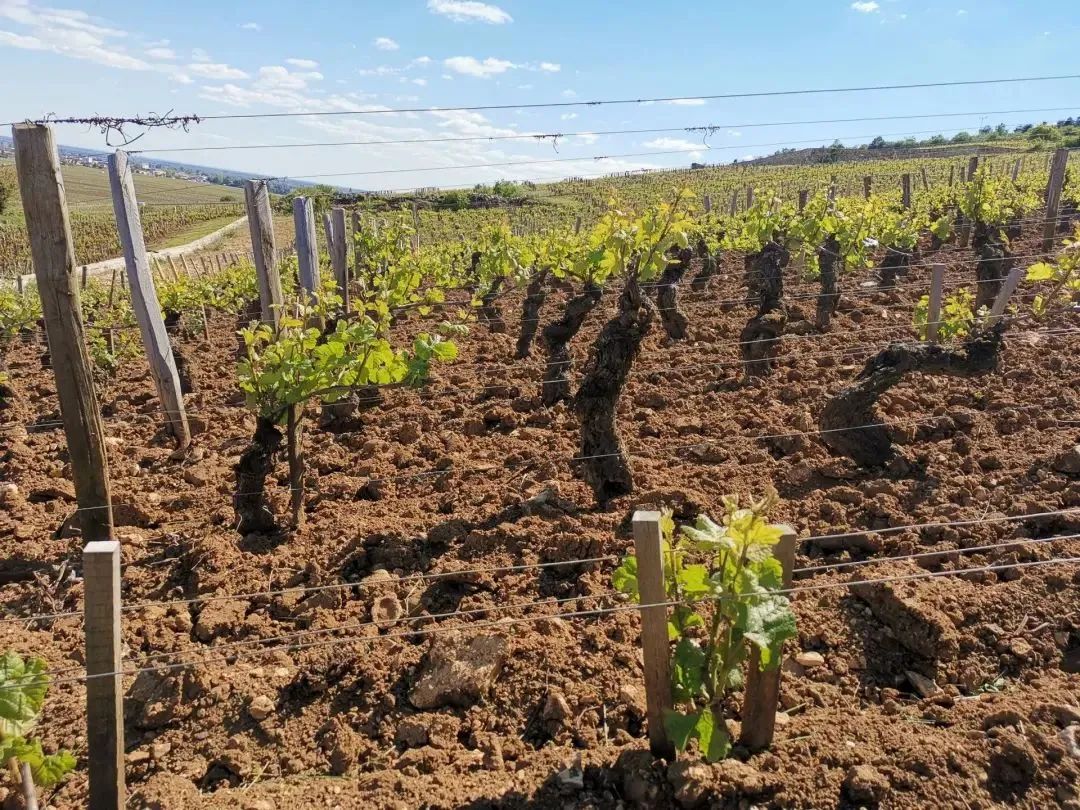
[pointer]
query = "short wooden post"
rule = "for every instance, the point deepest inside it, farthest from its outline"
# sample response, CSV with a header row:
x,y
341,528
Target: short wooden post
x,y
933,312
804,197
707,203
654,635
1007,289
307,253
20,284
144,299
104,684
1053,196
339,256
868,186
261,225
734,203
1019,162
763,687
832,188
749,197
328,231
905,190
972,167
952,176
85,277
925,178
45,207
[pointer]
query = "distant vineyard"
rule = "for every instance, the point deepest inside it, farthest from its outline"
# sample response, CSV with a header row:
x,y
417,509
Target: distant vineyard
x,y
95,232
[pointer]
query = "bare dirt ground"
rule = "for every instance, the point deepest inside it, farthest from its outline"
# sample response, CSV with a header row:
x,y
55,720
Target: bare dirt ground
x,y
337,725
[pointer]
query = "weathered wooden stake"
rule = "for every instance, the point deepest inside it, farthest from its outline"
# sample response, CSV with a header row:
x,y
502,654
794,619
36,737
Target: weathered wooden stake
x,y
1053,196
1017,164
261,225
933,312
707,202
85,273
654,634
749,196
867,186
1007,289
104,685
925,178
144,299
804,197
339,256
416,229
734,203
763,688
307,252
905,190
45,208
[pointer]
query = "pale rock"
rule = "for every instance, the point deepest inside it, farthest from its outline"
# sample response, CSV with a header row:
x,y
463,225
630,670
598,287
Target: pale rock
x,y
810,659
260,708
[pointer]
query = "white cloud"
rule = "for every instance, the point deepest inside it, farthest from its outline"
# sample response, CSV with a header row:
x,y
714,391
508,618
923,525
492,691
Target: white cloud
x,y
160,53
420,82
381,70
303,64
276,77
587,138
199,55
471,66
569,94
687,102
420,61
215,70
550,67
182,78
386,44
865,6
568,116
674,144
251,26
67,32
469,11
734,133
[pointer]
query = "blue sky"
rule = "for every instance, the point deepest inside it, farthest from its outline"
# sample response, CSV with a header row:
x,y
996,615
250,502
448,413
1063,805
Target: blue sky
x,y
80,58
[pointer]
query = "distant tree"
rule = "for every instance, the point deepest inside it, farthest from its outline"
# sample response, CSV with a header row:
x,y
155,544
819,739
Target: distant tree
x,y
1001,130
985,130
936,140
1044,133
878,143
962,137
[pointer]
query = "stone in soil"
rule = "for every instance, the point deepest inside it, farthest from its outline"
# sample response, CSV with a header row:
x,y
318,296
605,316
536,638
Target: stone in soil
x,y
459,670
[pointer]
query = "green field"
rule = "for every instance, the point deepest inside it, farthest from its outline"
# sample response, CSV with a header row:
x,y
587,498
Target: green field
x,y
88,188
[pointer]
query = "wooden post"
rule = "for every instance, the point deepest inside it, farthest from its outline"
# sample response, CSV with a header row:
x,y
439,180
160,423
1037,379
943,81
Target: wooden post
x,y
416,229
1016,169
20,284
832,188
339,256
749,196
952,175
144,299
905,190
867,186
763,688
654,634
804,196
104,684
925,178
261,225
734,203
933,313
307,253
85,273
1053,196
45,207
973,167
707,202
1007,289
577,225
328,231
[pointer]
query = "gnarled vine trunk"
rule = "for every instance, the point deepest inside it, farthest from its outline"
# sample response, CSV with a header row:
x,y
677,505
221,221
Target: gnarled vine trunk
x,y
828,256
759,340
474,269
708,268
894,264
490,310
557,337
253,512
535,295
849,426
605,467
667,295
993,264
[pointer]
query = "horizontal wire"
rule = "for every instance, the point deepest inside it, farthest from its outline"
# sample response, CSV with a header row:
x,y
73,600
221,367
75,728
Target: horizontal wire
x,y
702,128
577,614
